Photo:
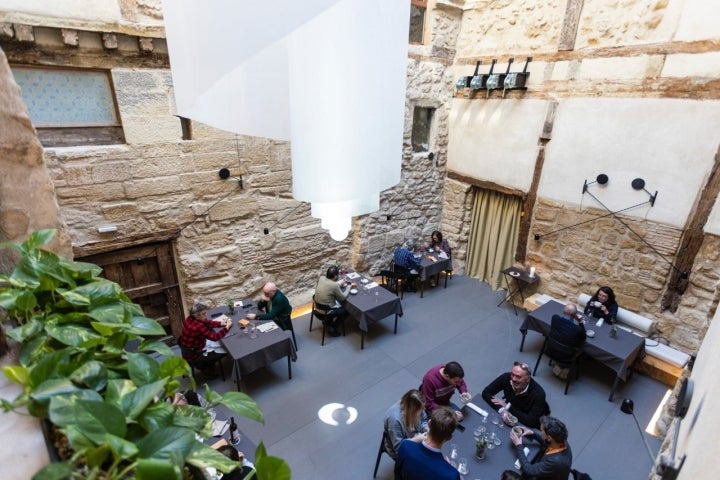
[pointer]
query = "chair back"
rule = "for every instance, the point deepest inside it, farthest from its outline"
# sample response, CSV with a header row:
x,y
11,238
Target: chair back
x,y
320,310
562,353
579,475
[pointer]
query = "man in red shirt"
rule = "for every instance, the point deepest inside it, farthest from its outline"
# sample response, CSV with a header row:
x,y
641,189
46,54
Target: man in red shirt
x,y
196,330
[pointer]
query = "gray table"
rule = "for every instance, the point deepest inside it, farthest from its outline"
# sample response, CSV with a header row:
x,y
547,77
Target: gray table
x,y
618,353
250,354
370,306
519,279
430,265
497,460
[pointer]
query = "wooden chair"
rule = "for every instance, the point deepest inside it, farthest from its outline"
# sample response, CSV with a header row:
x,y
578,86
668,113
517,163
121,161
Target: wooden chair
x,y
381,450
563,355
322,313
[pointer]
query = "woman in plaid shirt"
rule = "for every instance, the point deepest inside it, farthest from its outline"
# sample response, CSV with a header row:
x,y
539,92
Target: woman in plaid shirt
x,y
196,330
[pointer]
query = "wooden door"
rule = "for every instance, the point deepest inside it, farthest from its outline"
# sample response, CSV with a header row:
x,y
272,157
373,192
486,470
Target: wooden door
x,y
147,274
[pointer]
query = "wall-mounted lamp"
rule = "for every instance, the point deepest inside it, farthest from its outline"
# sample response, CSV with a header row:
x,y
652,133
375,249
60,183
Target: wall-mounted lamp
x,y
224,173
479,81
601,179
516,80
639,184
464,82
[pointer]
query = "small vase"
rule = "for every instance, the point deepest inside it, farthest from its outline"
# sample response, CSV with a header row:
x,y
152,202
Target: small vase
x,y
231,308
480,453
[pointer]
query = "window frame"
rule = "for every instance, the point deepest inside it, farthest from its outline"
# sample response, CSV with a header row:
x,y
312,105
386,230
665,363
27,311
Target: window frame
x,y
424,5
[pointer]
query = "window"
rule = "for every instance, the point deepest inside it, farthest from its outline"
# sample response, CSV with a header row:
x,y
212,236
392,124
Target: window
x,y
422,120
417,20
70,106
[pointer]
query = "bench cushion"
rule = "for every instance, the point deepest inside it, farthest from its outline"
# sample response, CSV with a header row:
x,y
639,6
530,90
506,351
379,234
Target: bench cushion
x,y
636,323
666,353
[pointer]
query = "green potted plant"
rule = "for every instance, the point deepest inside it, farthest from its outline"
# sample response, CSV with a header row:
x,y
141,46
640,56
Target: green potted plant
x,y
231,306
109,404
480,446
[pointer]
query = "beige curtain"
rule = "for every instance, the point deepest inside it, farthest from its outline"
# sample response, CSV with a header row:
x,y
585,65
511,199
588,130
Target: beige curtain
x,y
493,235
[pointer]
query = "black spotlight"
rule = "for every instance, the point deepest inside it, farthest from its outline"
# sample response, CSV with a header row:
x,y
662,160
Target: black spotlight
x,y
638,184
602,179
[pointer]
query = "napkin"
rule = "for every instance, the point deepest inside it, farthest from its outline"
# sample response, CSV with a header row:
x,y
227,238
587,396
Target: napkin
x,y
477,409
238,303
219,427
431,258
371,285
222,318
353,275
267,327
442,255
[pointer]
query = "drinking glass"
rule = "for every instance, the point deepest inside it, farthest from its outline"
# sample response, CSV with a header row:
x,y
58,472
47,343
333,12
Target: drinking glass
x,y
453,451
478,432
253,330
496,439
495,419
462,467
490,442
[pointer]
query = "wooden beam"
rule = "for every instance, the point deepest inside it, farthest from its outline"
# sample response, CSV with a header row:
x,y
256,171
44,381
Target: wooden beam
x,y
475,182
568,34
692,239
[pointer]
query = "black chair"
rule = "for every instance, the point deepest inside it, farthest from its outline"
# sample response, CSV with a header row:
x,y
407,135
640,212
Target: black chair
x,y
411,279
394,282
285,323
322,313
381,450
563,355
579,475
191,352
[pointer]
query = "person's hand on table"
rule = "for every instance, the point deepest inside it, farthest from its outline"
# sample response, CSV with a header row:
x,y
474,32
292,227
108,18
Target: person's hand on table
x,y
228,324
251,316
459,415
466,397
505,416
498,401
515,438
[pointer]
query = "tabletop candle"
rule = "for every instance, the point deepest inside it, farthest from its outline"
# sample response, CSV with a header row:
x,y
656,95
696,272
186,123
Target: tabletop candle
x,y
532,271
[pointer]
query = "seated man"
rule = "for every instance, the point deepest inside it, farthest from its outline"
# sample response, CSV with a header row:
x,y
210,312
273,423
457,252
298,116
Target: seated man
x,y
521,396
404,261
276,306
327,293
244,471
564,329
555,458
439,384
421,461
197,329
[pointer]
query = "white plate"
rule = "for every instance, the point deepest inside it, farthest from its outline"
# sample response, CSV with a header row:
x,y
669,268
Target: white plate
x,y
590,333
353,291
514,274
364,280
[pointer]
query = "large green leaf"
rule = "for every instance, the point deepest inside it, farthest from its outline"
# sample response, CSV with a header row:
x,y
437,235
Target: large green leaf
x,y
192,417
55,471
62,407
158,415
203,456
154,468
95,457
72,335
143,369
101,291
26,331
117,389
46,366
174,367
272,468
76,437
17,374
155,346
92,374
133,403
242,404
76,299
80,271
39,238
33,349
18,302
145,326
96,419
121,448
164,443
52,387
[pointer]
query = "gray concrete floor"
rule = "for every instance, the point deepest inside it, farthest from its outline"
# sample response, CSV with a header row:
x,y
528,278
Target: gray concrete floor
x,y
459,323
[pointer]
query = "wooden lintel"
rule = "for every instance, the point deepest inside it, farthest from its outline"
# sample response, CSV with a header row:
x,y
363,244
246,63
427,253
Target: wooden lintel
x,y
476,182
110,245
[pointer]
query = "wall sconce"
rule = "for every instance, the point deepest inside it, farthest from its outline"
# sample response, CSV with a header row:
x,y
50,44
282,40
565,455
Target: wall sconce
x,y
107,228
639,184
601,179
464,82
224,173
479,82
495,80
516,80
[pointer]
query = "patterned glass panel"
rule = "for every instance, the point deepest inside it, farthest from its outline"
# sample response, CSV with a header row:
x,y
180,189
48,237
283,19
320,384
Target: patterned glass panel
x,y
67,98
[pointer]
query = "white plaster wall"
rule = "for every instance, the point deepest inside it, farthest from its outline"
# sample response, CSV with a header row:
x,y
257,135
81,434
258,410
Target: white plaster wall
x,y
698,439
699,21
496,140
670,143
97,10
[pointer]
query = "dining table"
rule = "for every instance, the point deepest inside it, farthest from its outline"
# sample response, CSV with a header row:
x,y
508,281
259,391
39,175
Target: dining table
x,y
250,354
618,352
498,458
431,264
369,303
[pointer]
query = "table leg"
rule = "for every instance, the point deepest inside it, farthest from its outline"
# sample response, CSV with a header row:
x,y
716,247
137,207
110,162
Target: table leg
x,y
422,287
362,340
237,376
614,387
289,368
522,342
396,319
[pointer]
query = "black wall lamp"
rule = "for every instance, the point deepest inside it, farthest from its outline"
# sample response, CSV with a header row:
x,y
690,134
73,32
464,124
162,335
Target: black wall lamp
x,y
639,184
601,179
224,173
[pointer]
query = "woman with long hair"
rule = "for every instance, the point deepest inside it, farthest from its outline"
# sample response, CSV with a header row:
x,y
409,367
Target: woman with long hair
x,y
405,419
602,304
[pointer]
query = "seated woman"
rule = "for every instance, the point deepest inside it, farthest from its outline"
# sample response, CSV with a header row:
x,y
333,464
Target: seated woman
x,y
437,242
405,419
602,304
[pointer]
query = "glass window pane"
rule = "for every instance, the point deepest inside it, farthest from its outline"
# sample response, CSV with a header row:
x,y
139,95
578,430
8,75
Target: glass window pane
x,y
417,23
67,98
422,119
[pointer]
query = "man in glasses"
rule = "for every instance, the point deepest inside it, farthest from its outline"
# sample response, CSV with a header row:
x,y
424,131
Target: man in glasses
x,y
516,393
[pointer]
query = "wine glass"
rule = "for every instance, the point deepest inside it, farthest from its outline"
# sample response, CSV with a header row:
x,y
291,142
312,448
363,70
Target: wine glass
x,y
453,451
462,467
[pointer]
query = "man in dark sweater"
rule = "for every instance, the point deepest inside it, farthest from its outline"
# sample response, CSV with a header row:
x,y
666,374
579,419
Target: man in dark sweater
x,y
521,396
555,459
